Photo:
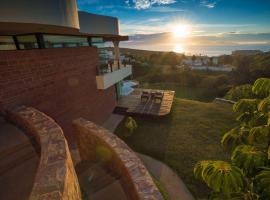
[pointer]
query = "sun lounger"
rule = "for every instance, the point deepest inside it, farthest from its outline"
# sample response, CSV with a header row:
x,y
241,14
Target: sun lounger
x,y
157,98
145,96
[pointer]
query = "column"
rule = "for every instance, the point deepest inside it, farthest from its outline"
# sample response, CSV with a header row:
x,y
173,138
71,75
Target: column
x,y
116,64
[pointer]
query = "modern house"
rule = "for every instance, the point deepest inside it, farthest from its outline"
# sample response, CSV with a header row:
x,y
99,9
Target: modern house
x,y
53,58
57,86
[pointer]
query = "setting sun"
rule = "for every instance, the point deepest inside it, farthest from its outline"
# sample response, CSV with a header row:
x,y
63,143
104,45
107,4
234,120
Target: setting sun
x,y
179,48
182,30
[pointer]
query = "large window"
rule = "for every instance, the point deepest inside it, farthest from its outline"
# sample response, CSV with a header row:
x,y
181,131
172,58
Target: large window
x,y
105,54
7,43
61,41
27,41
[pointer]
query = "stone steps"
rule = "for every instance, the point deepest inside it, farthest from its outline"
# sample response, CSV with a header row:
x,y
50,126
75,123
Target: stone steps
x,y
16,158
95,181
18,163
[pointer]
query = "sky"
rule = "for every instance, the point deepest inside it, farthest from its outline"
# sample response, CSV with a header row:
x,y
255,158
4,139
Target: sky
x,y
208,24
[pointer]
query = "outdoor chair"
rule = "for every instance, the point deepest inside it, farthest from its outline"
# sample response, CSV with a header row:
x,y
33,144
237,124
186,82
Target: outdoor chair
x,y
145,96
157,98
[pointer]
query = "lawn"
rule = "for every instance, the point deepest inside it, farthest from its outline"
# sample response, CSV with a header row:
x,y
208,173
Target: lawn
x,y
192,132
192,93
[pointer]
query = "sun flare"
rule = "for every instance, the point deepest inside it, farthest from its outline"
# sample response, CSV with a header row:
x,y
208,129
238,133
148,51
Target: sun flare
x,y
179,48
181,30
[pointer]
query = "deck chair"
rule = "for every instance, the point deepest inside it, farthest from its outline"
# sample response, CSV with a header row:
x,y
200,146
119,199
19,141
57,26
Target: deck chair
x,y
145,96
158,97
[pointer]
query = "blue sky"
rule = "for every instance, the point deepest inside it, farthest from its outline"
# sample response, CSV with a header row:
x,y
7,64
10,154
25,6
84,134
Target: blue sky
x,y
211,16
229,23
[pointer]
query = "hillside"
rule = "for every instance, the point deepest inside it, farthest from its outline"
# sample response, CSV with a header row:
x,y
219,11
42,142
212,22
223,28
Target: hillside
x,y
192,132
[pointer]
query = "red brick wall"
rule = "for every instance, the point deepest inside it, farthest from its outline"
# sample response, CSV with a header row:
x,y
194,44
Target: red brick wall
x,y
58,82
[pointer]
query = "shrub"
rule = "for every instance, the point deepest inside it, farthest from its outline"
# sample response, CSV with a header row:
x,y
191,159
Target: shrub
x,y
240,92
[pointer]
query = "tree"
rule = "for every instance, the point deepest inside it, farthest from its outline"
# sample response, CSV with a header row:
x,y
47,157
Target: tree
x,y
193,59
248,174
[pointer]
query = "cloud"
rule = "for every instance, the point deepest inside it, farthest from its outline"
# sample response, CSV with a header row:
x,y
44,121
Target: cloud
x,y
208,4
145,4
164,9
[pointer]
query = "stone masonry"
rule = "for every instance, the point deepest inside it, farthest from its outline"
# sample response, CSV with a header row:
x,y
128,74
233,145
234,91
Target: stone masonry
x,y
99,145
56,178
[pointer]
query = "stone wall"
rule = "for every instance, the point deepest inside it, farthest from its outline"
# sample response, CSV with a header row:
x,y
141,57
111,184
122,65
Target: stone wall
x,y
99,145
56,178
59,82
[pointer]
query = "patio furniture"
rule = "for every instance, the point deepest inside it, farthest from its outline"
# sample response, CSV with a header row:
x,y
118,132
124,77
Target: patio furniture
x,y
145,96
157,98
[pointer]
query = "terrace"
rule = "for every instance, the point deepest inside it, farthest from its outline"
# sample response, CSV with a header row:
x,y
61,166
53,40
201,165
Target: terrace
x,y
138,102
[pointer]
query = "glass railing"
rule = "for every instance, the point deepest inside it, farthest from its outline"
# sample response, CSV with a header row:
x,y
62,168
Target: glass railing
x,y
110,66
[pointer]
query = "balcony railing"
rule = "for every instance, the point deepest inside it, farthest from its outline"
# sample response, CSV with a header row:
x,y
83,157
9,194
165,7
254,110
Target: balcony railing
x,y
109,75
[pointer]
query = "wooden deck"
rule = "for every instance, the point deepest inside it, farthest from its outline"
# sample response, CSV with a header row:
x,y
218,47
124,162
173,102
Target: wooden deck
x,y
132,103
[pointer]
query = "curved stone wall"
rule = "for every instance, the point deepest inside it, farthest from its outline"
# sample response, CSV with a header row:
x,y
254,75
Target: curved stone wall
x,y
56,178
58,13
98,144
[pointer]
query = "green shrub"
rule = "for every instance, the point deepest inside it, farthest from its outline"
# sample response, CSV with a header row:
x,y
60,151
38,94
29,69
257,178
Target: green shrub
x,y
240,92
131,125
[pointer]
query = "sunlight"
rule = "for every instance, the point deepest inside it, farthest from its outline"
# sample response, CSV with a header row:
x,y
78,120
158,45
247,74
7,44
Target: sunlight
x,y
182,30
179,48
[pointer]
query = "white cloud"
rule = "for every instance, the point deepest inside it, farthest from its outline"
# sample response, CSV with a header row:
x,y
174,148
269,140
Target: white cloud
x,y
165,9
145,4
208,4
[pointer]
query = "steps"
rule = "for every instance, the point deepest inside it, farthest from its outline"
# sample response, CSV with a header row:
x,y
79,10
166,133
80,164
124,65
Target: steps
x,y
18,163
97,182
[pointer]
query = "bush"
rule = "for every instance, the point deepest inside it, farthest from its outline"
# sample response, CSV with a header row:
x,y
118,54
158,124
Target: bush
x,y
240,92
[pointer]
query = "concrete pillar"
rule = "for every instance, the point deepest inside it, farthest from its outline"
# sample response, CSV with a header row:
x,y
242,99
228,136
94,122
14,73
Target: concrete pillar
x,y
116,55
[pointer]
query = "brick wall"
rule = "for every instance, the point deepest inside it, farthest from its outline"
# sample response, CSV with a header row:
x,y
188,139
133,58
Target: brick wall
x,y
58,82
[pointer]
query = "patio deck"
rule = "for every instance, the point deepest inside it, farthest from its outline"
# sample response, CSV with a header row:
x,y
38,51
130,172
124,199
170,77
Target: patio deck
x,y
132,103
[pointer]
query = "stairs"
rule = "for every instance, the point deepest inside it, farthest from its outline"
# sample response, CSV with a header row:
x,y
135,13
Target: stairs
x,y
97,183
18,163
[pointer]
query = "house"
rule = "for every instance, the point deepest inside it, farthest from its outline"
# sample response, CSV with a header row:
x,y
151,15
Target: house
x,y
56,89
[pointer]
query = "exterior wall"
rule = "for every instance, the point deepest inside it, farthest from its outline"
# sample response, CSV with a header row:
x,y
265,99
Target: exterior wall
x,y
91,24
58,82
62,13
56,178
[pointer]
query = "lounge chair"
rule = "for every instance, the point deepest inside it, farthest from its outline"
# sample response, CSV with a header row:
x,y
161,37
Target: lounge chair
x,y
157,98
145,96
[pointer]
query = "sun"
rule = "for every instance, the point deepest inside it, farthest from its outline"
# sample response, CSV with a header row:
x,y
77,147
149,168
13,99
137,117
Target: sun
x,y
179,48
181,30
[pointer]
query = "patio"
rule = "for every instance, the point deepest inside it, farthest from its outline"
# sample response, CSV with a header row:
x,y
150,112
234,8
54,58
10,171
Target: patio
x,y
132,104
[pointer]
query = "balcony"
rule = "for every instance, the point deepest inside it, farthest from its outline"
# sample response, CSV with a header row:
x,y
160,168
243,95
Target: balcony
x,y
107,77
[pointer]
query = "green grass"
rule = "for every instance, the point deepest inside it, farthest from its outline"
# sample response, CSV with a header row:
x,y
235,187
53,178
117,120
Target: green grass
x,y
161,189
192,132
192,93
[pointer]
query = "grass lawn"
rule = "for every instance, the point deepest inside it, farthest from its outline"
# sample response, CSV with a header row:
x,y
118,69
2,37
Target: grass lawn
x,y
192,132
192,93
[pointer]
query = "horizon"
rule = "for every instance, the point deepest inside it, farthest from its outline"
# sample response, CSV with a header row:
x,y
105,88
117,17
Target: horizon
x,y
208,27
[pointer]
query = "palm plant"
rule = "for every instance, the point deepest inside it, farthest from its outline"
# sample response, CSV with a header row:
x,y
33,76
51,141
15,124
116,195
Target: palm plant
x,y
248,175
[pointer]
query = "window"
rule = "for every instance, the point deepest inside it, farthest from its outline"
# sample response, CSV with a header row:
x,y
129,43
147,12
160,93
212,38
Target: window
x,y
7,43
99,43
27,41
61,41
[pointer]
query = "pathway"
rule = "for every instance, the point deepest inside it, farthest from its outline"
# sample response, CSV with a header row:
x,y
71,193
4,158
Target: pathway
x,y
169,179
113,121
